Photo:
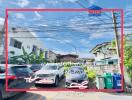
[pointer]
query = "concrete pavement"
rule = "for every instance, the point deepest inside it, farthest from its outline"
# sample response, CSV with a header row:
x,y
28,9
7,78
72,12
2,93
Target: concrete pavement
x,y
68,95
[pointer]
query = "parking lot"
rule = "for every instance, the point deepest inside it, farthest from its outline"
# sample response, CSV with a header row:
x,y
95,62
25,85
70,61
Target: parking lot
x,y
43,95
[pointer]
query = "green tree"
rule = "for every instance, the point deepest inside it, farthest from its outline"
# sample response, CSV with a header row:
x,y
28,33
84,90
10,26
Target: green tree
x,y
127,56
31,58
128,59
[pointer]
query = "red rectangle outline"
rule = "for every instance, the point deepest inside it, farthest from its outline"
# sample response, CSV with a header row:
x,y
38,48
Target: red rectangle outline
x,y
68,10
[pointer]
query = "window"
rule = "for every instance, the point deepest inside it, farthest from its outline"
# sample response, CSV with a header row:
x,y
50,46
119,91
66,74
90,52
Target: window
x,y
110,62
2,69
46,54
28,46
41,50
34,49
15,43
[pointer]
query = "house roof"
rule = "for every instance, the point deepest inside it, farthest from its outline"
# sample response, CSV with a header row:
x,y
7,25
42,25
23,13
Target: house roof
x,y
95,49
71,55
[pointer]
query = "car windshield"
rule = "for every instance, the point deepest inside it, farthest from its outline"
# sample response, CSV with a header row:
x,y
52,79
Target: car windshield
x,y
49,67
76,70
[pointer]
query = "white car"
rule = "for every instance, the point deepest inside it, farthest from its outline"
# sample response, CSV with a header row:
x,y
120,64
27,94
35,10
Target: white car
x,y
49,74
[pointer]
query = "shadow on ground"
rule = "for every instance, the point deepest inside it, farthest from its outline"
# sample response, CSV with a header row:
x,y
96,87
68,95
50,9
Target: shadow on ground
x,y
27,96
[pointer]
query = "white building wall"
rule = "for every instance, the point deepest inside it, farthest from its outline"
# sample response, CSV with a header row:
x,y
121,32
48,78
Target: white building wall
x,y
1,41
27,39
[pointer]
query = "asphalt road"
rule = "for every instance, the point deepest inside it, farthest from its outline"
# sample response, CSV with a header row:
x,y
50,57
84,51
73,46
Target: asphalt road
x,y
43,95
27,96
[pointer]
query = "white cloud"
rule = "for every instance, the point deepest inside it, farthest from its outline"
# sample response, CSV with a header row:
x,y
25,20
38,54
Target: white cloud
x,y
84,42
67,41
20,16
70,0
1,21
128,8
53,2
50,34
92,2
42,24
84,25
58,51
23,3
41,6
96,36
100,35
1,1
39,16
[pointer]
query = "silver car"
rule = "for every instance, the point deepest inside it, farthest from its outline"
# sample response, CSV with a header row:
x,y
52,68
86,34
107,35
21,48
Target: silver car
x,y
76,78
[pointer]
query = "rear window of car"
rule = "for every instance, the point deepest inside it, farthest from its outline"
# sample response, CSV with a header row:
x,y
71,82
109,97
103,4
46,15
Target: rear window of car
x,y
21,70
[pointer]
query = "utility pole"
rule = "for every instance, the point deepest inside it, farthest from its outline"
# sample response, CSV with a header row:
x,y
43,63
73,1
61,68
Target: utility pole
x,y
116,38
116,34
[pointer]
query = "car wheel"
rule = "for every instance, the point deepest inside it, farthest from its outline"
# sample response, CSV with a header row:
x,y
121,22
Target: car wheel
x,y
63,76
56,81
1,95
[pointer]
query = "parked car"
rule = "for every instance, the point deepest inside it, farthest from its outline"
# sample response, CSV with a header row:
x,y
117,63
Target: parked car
x,y
16,79
50,74
35,67
76,78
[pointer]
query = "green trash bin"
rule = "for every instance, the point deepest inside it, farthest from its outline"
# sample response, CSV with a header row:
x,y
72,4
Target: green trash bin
x,y
108,80
100,82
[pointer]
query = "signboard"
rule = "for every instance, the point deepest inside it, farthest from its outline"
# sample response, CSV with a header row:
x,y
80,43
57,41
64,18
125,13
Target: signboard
x,y
95,10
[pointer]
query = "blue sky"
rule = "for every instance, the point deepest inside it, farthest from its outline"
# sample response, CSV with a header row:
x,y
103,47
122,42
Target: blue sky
x,y
66,32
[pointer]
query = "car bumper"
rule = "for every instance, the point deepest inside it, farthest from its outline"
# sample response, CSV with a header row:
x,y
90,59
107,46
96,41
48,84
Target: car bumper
x,y
82,85
44,81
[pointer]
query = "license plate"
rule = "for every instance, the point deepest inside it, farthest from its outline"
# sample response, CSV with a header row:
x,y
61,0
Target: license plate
x,y
44,81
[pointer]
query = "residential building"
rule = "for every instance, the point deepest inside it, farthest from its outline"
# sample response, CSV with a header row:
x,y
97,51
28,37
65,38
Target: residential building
x,y
50,56
105,54
87,61
19,38
67,58
128,39
1,39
